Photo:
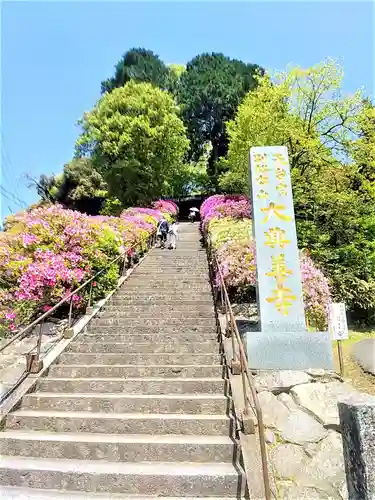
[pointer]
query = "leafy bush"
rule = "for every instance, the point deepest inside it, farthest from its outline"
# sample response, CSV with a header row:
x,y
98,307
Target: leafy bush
x,y
231,240
47,252
227,230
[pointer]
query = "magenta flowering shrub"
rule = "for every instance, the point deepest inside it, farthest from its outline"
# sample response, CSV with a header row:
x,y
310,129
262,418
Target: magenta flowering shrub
x,y
224,204
47,252
225,223
316,292
148,214
165,206
237,264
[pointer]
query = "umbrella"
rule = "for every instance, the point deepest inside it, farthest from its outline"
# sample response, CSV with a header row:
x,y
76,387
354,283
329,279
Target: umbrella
x,y
194,209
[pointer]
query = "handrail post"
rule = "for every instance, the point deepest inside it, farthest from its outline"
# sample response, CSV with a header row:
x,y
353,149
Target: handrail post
x,y
33,362
90,294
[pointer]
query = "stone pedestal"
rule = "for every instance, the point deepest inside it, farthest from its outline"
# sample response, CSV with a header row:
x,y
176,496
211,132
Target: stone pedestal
x,y
357,422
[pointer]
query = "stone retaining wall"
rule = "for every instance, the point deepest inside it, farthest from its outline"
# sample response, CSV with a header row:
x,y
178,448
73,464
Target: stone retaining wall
x,y
304,443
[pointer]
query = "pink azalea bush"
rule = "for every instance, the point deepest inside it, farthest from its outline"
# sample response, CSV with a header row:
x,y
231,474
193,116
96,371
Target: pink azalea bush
x,y
230,238
165,206
47,252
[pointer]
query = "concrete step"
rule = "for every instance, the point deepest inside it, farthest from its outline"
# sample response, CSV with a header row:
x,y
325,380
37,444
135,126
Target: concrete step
x,y
154,338
163,478
115,447
150,283
161,311
178,347
198,309
162,385
162,320
130,371
71,358
161,299
175,330
119,423
215,404
14,493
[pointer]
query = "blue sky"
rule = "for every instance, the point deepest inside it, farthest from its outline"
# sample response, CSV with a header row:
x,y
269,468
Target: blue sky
x,y
55,54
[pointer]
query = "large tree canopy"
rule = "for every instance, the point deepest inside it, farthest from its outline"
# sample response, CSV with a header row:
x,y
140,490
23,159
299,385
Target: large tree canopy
x,y
331,149
79,187
210,90
140,65
301,109
137,141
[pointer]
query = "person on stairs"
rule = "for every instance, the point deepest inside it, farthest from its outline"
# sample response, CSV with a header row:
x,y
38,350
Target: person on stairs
x,y
162,231
173,233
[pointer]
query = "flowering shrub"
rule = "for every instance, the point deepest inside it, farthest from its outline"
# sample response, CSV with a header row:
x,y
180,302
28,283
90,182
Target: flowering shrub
x,y
228,230
165,206
47,252
316,292
225,205
230,238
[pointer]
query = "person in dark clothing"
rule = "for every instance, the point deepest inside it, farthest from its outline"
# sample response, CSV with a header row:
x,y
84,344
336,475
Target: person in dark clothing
x,y
162,232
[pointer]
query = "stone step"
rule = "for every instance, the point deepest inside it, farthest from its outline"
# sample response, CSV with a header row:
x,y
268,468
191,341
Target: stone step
x,y
71,358
130,371
14,493
115,447
149,281
126,347
166,266
152,479
198,308
119,423
142,338
162,385
215,404
161,320
162,311
176,330
161,299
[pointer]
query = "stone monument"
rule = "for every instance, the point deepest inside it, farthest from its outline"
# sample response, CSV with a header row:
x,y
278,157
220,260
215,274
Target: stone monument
x,y
283,342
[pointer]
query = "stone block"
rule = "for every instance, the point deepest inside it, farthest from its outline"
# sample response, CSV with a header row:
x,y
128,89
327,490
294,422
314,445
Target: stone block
x,y
357,422
300,350
280,381
321,400
364,354
68,333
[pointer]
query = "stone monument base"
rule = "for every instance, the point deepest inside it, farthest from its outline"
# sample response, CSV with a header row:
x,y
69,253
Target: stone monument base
x,y
289,350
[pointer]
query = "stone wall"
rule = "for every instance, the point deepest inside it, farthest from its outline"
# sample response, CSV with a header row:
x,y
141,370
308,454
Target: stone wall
x,y
303,434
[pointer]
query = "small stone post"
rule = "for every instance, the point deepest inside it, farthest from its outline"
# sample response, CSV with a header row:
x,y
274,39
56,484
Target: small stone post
x,y
357,421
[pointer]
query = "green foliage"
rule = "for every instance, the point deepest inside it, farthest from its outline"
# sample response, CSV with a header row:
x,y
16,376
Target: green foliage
x,y
300,109
210,90
330,139
137,141
112,207
228,229
79,187
140,65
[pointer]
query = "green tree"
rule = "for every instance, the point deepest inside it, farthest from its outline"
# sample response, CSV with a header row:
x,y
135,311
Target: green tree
x,y
140,65
137,142
79,187
330,139
210,90
302,109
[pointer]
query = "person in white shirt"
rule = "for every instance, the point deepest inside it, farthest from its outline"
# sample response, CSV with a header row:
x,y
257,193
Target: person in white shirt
x,y
173,233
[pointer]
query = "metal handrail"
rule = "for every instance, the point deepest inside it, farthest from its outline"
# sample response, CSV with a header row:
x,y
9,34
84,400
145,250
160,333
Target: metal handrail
x,y
231,327
150,240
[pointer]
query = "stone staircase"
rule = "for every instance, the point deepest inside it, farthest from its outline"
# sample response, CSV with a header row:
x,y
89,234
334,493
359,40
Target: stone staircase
x,y
138,406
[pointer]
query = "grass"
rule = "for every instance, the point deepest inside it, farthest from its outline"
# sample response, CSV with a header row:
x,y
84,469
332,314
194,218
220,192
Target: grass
x,y
353,373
